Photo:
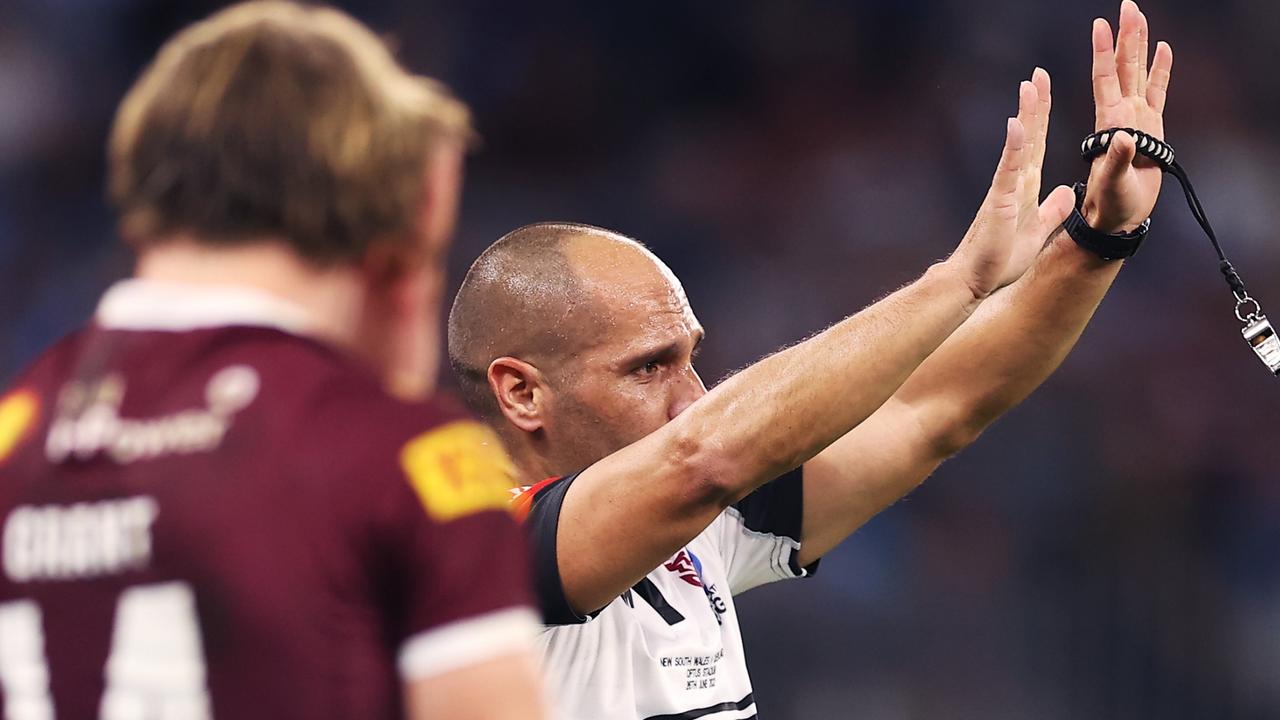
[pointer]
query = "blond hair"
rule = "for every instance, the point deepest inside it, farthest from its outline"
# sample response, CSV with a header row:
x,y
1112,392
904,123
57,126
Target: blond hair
x,y
273,119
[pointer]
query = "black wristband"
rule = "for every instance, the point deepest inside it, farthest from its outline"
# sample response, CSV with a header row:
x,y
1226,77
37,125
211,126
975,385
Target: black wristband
x,y
1104,245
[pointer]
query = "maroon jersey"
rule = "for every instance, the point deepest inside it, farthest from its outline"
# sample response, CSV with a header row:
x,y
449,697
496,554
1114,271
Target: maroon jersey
x,y
205,515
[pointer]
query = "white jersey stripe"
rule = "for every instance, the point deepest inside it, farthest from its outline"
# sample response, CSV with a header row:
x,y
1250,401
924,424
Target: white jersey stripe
x,y
468,642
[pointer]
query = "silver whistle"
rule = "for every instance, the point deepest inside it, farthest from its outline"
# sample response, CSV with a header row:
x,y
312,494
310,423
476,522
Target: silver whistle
x,y
1264,341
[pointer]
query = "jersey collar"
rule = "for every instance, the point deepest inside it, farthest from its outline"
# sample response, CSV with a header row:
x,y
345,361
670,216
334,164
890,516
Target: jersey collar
x,y
137,304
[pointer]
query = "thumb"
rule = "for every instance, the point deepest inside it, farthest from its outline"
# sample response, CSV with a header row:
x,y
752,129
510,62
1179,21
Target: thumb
x,y
1056,207
1119,156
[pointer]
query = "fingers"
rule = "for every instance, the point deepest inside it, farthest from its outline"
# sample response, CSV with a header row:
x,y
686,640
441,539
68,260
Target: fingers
x,y
1028,97
1029,114
1004,185
1044,91
1143,38
1106,84
1038,132
1128,61
1033,113
1158,82
1118,158
1055,209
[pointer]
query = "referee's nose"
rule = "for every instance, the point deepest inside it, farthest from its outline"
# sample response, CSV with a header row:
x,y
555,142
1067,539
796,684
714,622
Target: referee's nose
x,y
686,389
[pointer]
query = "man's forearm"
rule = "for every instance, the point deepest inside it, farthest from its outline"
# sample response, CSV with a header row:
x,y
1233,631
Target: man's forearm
x,y
781,411
1018,337
1010,345
1013,342
633,509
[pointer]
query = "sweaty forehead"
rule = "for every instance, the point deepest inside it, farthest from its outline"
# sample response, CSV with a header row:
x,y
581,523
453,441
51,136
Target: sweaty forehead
x,y
629,287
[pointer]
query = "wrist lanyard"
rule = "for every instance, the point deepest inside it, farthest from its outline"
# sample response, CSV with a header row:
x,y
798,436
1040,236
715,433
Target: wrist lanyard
x,y
1257,330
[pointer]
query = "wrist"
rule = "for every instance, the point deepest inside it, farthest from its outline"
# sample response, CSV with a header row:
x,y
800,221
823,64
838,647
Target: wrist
x,y
1071,257
1090,234
959,279
1097,211
1094,216
1102,221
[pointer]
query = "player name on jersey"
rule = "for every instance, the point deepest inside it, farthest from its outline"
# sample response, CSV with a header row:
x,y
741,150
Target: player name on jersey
x,y
204,515
82,540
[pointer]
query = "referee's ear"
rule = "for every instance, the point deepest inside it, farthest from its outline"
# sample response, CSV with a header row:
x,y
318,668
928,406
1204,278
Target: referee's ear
x,y
520,392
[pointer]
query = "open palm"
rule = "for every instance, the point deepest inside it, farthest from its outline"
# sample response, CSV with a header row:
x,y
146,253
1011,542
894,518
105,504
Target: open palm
x,y
1123,190
1011,225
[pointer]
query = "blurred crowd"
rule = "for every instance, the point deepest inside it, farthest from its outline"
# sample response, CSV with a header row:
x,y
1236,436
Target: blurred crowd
x,y
1111,549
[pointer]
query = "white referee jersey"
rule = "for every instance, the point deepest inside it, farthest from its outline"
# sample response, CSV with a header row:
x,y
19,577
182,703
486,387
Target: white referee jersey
x,y
670,647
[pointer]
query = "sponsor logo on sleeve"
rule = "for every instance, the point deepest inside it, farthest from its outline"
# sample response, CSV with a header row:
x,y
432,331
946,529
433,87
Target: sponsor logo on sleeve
x,y
458,469
18,412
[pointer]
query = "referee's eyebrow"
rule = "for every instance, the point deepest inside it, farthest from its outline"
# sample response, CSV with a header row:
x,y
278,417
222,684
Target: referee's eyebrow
x,y
663,353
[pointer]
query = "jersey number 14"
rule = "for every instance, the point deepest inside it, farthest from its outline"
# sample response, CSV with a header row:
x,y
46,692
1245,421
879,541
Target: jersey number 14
x,y
155,670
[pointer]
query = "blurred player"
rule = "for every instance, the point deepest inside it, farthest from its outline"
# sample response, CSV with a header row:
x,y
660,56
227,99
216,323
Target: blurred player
x,y
577,344
210,507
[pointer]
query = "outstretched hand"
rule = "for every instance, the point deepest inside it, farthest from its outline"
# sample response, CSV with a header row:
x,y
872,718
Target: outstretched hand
x,y
1011,228
1123,188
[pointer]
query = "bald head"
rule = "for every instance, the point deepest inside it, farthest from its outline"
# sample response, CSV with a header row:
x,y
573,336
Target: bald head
x,y
540,294
572,342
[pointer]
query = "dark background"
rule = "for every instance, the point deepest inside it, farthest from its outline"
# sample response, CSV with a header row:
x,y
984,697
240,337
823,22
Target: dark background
x,y
1108,550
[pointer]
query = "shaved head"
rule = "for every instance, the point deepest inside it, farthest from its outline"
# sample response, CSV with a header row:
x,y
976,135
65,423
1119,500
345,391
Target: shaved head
x,y
532,295
573,342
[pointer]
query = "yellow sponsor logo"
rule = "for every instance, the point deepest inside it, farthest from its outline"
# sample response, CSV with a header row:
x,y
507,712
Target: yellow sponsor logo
x,y
18,412
458,469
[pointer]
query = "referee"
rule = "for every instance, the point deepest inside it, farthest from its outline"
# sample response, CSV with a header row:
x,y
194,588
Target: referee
x,y
651,503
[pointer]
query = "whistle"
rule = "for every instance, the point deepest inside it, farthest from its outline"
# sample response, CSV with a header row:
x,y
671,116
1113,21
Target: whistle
x,y
1262,338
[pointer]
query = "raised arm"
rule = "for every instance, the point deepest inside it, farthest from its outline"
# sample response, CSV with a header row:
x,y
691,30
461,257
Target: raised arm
x,y
629,512
1019,336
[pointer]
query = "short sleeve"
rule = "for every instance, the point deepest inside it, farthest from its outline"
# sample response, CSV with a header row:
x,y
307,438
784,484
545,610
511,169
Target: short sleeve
x,y
539,506
759,536
457,559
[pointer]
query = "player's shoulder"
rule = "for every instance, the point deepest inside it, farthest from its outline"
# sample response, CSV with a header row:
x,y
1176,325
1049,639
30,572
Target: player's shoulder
x,y
307,384
320,398
330,422
342,422
349,408
54,362
269,386
387,451
25,405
